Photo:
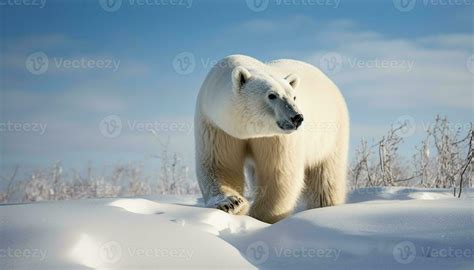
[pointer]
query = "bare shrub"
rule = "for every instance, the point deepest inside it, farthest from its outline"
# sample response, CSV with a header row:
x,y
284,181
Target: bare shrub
x,y
123,180
10,187
442,160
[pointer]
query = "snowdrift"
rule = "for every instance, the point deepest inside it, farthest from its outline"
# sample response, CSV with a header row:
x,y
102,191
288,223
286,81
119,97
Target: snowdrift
x,y
380,228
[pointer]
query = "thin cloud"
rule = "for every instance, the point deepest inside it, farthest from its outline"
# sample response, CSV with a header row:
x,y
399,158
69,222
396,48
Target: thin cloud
x,y
418,72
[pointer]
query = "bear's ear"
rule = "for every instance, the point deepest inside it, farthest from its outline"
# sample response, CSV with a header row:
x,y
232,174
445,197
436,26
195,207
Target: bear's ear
x,y
240,76
293,80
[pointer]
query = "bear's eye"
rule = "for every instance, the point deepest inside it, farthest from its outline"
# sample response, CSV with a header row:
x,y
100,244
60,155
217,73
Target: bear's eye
x,y
272,96
294,98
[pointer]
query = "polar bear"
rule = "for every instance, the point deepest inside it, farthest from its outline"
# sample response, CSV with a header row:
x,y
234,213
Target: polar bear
x,y
286,122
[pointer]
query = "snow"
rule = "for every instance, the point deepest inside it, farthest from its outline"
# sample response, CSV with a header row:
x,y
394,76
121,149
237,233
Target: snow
x,y
379,228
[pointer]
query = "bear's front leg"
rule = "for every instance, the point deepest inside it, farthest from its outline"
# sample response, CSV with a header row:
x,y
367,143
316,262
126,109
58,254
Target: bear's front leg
x,y
279,167
219,168
232,204
222,188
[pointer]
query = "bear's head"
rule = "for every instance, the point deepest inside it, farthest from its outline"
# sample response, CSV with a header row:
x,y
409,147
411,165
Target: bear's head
x,y
267,103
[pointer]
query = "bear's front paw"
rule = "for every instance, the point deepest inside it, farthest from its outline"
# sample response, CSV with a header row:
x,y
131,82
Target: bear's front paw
x,y
233,204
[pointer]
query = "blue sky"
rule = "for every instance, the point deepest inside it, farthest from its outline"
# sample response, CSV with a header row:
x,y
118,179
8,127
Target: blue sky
x,y
390,65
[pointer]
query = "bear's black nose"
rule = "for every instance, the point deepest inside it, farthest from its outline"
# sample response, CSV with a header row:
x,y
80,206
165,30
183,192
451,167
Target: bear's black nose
x,y
297,120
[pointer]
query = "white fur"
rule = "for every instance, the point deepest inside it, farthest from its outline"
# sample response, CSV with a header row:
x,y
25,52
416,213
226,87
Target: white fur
x,y
234,123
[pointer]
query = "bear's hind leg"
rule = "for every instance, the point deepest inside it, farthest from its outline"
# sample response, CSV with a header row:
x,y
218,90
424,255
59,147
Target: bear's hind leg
x,y
325,183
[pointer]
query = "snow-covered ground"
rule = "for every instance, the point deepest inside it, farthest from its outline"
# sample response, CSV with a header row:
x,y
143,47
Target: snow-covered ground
x,y
382,228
